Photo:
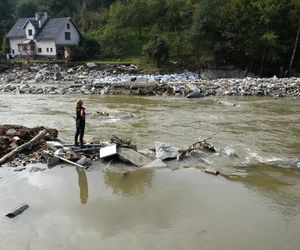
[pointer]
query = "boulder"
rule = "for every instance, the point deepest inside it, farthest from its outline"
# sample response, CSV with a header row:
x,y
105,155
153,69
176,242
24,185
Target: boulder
x,y
38,77
195,94
165,151
132,156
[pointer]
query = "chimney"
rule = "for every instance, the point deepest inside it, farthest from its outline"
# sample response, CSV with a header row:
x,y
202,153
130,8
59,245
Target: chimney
x,y
38,16
40,23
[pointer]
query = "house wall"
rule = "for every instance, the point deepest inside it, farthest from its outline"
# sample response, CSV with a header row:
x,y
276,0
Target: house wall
x,y
74,36
29,26
44,44
14,50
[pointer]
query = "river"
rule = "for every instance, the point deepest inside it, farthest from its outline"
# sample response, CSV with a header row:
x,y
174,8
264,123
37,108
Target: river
x,y
255,205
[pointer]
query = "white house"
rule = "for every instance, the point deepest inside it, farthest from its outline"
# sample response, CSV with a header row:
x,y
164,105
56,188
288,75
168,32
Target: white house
x,y
43,36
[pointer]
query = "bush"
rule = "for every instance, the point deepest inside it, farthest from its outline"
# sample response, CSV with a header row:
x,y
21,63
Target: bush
x,y
88,49
158,50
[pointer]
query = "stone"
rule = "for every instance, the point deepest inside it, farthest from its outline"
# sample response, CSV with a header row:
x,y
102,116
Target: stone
x,y
91,65
60,152
11,132
57,76
132,156
165,151
84,161
38,78
195,94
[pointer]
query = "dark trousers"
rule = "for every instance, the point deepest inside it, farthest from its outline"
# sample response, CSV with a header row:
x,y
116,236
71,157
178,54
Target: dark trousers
x,y
80,133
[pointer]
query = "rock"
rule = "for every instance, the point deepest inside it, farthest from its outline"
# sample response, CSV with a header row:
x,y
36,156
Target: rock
x,y
132,156
11,132
70,71
38,78
60,152
195,94
54,145
91,65
84,161
165,151
57,76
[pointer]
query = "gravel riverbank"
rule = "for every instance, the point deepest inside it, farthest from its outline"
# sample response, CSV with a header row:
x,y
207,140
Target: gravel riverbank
x,y
89,79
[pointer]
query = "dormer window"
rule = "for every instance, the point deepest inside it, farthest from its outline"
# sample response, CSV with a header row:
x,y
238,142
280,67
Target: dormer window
x,y
29,32
68,26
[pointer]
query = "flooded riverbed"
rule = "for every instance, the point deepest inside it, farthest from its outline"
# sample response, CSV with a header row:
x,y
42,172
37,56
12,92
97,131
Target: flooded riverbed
x,y
256,205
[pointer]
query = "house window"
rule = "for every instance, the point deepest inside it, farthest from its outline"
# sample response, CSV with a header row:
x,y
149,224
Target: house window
x,y
13,51
68,26
29,32
51,49
39,50
67,36
47,49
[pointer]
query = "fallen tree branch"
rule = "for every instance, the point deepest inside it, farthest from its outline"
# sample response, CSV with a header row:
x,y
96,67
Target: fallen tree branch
x,y
193,145
27,145
198,144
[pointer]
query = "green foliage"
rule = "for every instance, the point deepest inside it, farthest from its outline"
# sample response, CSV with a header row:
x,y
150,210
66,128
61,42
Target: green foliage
x,y
157,49
26,9
249,33
88,49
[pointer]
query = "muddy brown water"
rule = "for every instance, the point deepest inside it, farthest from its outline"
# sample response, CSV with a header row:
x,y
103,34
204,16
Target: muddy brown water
x,y
255,206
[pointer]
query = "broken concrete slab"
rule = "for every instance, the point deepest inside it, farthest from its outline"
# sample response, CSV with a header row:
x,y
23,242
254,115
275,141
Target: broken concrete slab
x,y
132,156
165,151
107,151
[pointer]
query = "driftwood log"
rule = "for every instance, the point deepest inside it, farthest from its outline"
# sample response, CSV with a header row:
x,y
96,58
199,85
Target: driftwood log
x,y
27,145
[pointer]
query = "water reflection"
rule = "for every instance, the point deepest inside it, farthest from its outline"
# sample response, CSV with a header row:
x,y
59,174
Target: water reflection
x,y
83,185
129,183
278,185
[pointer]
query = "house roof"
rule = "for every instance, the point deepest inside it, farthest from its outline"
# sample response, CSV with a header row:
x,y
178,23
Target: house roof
x,y
17,30
51,28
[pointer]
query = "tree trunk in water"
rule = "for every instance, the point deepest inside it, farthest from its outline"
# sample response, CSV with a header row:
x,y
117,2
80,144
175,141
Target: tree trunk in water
x,y
295,47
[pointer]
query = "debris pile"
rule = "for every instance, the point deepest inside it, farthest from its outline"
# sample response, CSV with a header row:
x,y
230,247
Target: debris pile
x,y
93,79
23,145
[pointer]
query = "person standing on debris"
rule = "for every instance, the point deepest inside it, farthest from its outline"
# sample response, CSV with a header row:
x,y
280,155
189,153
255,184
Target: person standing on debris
x,y
80,122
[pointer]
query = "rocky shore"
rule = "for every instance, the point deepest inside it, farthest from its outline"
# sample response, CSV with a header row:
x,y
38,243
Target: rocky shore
x,y
91,79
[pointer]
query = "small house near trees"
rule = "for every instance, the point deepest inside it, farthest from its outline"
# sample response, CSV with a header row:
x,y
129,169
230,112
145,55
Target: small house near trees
x,y
43,36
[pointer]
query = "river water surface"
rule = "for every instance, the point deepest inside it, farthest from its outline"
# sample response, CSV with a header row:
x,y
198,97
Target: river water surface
x,y
254,205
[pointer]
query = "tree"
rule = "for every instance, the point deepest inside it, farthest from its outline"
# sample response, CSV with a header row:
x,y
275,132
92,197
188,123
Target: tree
x,y
205,35
157,49
296,14
26,9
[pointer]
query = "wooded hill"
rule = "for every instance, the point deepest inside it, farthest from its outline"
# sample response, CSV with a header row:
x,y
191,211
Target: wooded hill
x,y
261,35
